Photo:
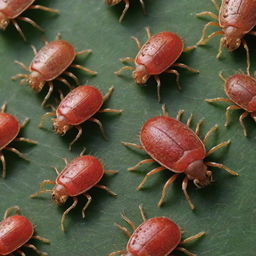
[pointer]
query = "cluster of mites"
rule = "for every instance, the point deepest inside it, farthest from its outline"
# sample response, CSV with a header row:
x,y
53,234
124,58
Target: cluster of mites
x,y
169,142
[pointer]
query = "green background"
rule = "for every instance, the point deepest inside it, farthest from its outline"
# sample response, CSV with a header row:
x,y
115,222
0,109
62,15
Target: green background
x,y
225,210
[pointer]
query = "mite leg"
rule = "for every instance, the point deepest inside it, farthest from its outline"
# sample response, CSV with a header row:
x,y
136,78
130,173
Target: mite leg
x,y
110,172
17,152
43,117
31,22
127,5
223,144
185,251
241,118
126,219
132,145
106,189
111,110
221,166
15,208
16,25
164,110
219,99
149,34
64,81
143,6
42,189
48,93
137,41
89,200
208,134
84,69
127,59
80,131
184,189
43,8
41,239
158,82
66,212
221,76
26,68
21,253
25,122
156,170
228,109
197,131
181,65
177,74
203,40
71,75
142,212
179,114
2,158
220,48
118,73
192,238
3,108
98,122
117,253
26,140
216,5
189,120
165,188
83,52
108,94
247,57
124,229
31,246
189,48
210,14
146,161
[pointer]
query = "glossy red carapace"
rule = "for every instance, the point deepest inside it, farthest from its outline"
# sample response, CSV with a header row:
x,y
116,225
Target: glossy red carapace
x,y
76,179
177,148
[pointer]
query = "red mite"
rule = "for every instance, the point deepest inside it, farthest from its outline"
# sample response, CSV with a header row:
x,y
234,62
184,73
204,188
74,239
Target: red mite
x,y
241,92
127,5
236,19
158,55
9,130
15,233
76,179
158,236
10,11
49,64
177,148
77,107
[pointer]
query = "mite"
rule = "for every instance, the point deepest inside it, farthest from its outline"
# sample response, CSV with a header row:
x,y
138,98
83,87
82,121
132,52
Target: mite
x,y
15,234
175,147
9,130
158,55
80,105
11,11
49,64
127,5
76,179
158,236
241,92
236,19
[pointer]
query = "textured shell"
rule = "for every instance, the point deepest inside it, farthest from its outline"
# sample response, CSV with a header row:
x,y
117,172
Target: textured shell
x,y
80,175
238,13
158,236
15,231
13,8
242,90
80,104
160,52
9,129
53,59
171,143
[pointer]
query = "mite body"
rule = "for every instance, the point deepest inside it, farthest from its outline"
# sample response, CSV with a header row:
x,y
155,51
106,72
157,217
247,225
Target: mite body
x,y
158,236
76,179
158,55
177,148
15,232
49,64
77,107
9,130
11,11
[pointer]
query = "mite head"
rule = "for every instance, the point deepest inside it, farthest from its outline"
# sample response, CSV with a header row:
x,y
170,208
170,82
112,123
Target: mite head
x,y
60,125
232,38
35,81
59,194
4,21
113,2
197,171
140,75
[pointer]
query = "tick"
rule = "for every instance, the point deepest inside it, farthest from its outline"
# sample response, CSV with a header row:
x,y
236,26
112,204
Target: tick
x,y
177,148
16,231
158,236
77,178
9,130
127,5
49,64
10,11
241,92
80,105
158,55
236,19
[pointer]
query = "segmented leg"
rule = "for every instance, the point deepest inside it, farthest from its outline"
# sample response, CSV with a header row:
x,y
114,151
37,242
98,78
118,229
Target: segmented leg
x,y
21,253
127,59
2,159
182,65
185,251
124,229
177,74
75,200
184,189
203,40
98,122
108,94
26,140
89,200
241,118
137,41
106,189
83,52
146,161
189,48
117,253
148,32
17,152
34,248
209,133
23,66
25,122
158,84
127,220
48,93
197,131
142,212
15,208
16,25
222,40
192,238
216,5
223,144
65,81
111,110
210,14
179,114
110,171
164,110
84,69
219,99
165,188
118,73
132,145
43,117
221,76
156,170
41,239
127,5
3,108
43,8
71,75
31,22
247,57
228,109
189,120
42,188
143,6
221,166
80,131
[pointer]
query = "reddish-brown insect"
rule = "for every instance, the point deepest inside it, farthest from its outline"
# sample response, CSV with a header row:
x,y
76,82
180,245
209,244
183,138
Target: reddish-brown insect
x,y
177,148
127,5
76,179
15,233
158,236
9,130
236,19
158,55
241,92
49,64
80,105
10,11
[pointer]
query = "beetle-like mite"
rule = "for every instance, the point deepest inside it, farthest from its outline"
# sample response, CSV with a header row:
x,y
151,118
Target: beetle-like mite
x,y
76,179
80,105
127,5
9,130
177,148
158,236
10,11
49,64
158,55
16,231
